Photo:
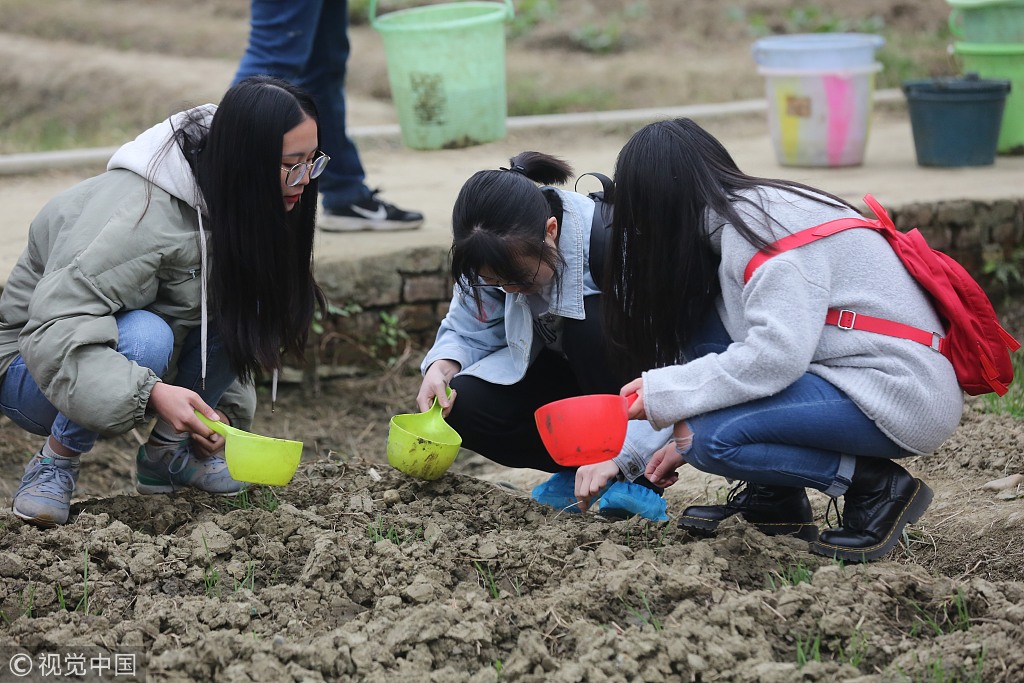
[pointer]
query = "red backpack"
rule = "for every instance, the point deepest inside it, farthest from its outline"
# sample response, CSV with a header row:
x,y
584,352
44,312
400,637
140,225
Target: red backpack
x,y
974,342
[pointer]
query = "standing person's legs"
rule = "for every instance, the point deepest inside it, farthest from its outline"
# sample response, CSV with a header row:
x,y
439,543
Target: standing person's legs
x,y
44,496
281,36
342,182
497,421
305,42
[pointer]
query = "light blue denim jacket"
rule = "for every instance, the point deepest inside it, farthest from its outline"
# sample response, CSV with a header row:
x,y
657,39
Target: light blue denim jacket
x,y
498,343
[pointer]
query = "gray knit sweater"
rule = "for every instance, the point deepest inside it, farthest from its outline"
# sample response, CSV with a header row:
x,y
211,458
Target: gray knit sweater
x,y
776,322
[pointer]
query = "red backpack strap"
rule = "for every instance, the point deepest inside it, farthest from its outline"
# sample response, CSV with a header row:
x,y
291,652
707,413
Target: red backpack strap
x,y
799,239
880,213
846,319
851,320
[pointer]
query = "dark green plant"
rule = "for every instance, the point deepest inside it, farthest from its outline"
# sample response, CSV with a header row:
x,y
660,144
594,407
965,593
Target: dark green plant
x,y
345,311
249,580
598,38
211,577
1006,271
855,650
389,336
937,672
26,604
486,575
83,603
644,616
950,617
803,19
260,497
808,650
789,576
379,531
526,97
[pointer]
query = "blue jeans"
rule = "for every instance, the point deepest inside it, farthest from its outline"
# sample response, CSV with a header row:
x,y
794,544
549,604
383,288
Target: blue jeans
x,y
144,338
305,42
807,435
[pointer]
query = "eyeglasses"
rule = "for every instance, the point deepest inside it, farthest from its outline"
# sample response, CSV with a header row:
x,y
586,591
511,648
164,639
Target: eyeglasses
x,y
297,172
503,286
498,284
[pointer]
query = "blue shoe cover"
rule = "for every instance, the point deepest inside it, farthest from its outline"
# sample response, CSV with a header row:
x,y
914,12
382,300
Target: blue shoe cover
x,y
624,499
558,492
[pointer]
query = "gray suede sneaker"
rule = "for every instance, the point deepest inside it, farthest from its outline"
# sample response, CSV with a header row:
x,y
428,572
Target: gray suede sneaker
x,y
44,497
171,468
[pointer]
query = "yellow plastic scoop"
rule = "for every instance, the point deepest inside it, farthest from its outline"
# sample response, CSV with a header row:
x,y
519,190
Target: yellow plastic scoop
x,y
422,445
254,458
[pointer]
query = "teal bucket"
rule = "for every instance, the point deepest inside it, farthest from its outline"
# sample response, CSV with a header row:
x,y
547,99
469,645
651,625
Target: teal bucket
x,y
446,67
956,121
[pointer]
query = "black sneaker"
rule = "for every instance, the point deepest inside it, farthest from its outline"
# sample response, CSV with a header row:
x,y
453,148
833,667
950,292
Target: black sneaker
x,y
774,510
369,214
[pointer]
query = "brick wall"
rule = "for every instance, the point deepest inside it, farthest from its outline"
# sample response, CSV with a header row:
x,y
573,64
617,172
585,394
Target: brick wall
x,y
414,286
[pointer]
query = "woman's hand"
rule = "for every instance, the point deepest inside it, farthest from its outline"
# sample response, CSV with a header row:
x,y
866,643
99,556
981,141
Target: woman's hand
x,y
661,470
637,410
214,443
177,405
435,383
590,479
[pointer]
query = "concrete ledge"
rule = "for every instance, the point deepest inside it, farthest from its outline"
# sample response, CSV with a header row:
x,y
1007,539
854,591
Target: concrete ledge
x,y
34,162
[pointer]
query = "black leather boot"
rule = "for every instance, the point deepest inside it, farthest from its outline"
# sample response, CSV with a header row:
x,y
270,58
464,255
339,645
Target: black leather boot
x,y
774,510
882,499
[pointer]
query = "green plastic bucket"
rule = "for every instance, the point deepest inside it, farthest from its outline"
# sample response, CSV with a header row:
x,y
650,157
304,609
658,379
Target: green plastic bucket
x,y
956,121
1001,62
987,21
446,67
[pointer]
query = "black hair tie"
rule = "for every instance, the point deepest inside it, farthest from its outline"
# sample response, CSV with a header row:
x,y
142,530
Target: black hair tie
x,y
516,168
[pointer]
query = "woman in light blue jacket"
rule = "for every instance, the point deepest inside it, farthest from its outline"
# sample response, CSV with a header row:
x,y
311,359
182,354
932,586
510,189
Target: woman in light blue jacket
x,y
524,329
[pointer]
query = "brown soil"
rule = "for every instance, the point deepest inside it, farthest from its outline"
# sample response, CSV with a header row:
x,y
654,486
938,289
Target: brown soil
x,y
357,572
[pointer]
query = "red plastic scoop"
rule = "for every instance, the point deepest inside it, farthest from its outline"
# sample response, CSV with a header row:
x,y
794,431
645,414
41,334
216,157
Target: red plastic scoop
x,y
583,430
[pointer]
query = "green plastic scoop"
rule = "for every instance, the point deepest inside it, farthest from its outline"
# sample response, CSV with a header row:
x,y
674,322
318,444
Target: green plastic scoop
x,y
422,445
257,459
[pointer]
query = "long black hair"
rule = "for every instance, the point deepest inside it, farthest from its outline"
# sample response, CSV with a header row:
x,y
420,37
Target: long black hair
x,y
663,274
262,288
499,217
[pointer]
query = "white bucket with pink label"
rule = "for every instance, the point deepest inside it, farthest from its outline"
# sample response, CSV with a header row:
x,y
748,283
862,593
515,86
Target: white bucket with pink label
x,y
819,88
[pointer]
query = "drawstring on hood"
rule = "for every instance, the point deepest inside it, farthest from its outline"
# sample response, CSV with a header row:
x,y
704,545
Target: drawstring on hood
x,y
202,302
151,156
273,390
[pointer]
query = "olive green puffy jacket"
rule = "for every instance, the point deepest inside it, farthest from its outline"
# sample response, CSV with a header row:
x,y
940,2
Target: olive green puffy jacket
x,y
113,243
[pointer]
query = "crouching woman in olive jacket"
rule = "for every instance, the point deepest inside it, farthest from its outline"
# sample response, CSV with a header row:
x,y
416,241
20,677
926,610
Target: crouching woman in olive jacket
x,y
159,288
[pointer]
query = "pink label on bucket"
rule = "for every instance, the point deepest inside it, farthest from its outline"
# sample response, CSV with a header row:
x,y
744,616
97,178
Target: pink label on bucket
x,y
841,109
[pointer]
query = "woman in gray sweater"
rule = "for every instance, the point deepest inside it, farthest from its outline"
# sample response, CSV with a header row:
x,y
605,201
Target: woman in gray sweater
x,y
758,388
